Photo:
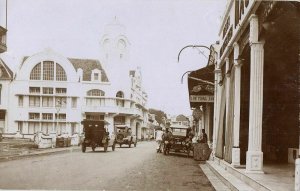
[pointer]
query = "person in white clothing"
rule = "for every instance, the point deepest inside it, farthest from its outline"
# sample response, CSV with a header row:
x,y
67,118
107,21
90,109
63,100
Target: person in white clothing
x,y
159,134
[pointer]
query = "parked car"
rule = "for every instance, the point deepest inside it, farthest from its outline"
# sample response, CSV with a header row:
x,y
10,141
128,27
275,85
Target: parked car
x,y
96,135
124,136
180,142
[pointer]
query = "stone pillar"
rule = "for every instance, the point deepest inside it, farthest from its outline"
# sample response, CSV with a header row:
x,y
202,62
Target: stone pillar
x,y
297,175
216,107
207,124
227,86
254,163
297,162
237,108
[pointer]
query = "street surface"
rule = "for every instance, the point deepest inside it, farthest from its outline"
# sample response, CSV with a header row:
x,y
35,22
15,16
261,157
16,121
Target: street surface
x,y
139,168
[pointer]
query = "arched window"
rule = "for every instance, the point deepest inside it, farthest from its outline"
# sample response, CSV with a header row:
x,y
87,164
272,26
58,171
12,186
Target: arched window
x,y
95,92
120,94
45,71
60,73
48,70
120,102
36,72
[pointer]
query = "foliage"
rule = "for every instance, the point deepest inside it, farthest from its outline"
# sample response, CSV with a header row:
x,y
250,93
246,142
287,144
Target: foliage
x,y
160,116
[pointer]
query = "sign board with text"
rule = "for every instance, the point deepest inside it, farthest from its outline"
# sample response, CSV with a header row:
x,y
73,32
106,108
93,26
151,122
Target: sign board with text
x,y
202,98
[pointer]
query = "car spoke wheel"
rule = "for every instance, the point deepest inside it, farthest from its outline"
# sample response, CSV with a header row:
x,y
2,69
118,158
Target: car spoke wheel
x,y
105,147
83,148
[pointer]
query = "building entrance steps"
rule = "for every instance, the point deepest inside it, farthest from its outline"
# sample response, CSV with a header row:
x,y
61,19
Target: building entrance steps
x,y
214,180
277,177
231,181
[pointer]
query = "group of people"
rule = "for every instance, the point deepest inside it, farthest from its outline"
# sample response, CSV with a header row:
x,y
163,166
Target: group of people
x,y
161,136
166,135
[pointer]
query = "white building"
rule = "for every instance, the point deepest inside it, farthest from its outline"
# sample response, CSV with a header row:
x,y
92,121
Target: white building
x,y
53,94
179,121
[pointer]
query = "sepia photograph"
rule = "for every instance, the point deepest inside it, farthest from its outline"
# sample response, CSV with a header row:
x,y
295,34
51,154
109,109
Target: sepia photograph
x,y
150,95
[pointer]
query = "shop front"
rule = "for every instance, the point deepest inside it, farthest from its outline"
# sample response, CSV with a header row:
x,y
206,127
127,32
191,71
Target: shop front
x,y
257,96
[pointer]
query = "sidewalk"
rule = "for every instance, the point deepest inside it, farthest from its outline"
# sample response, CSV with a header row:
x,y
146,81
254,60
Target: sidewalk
x,y
12,149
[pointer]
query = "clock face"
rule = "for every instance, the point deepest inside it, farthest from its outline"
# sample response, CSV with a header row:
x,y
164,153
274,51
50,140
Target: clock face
x,y
121,44
106,43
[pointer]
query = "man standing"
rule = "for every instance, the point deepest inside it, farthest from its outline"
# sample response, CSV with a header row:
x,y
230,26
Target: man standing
x,y
159,134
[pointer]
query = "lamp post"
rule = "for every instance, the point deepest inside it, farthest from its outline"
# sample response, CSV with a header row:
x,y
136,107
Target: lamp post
x,y
59,103
191,46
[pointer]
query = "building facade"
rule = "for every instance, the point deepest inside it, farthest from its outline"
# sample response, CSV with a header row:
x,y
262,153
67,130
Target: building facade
x,y
50,93
179,121
5,72
256,118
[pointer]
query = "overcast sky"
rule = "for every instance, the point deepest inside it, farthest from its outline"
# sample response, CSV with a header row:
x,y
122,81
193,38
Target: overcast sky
x,y
156,29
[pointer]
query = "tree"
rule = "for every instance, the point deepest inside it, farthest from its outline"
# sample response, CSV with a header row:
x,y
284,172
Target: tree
x,y
160,116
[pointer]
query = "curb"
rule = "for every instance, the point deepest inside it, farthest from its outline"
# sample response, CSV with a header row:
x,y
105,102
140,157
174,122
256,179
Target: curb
x,y
50,152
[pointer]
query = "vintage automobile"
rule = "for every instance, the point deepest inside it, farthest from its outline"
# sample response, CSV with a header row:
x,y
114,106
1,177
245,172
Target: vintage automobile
x,y
124,136
179,142
96,135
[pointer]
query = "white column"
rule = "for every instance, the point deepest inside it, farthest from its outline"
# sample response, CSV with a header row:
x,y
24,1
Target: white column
x,y
202,119
297,175
254,163
216,108
297,162
207,124
237,108
227,67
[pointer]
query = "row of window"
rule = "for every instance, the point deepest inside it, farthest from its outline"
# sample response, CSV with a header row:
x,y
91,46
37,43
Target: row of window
x,y
101,102
45,127
47,90
96,92
50,90
47,116
37,101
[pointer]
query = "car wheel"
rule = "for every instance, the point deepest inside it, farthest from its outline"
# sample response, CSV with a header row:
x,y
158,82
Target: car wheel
x,y
83,147
105,147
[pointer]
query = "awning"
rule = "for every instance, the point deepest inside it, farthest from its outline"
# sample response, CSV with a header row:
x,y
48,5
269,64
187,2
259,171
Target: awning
x,y
201,86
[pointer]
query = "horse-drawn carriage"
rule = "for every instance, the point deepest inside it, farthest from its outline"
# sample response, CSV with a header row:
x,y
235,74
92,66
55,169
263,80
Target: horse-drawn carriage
x,y
96,135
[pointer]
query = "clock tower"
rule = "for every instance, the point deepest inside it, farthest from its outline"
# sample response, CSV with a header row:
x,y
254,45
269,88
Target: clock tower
x,y
114,49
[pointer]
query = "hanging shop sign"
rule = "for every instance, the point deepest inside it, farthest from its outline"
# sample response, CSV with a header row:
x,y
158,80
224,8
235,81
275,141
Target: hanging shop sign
x,y
202,98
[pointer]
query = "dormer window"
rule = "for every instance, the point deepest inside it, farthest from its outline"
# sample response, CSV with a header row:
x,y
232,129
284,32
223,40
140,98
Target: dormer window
x,y
96,75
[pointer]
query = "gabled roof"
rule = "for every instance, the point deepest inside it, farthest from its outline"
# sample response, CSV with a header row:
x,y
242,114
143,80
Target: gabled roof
x,y
87,65
182,118
7,73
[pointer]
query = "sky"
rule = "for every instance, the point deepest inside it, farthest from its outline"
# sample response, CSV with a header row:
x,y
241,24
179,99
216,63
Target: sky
x,y
157,31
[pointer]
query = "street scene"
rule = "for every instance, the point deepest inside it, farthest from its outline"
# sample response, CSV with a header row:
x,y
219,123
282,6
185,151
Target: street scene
x,y
139,168
150,95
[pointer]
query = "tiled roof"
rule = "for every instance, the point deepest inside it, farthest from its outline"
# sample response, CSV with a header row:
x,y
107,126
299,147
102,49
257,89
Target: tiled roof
x,y
182,118
87,65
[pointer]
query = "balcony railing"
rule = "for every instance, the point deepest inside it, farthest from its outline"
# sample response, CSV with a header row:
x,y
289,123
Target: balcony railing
x,y
3,47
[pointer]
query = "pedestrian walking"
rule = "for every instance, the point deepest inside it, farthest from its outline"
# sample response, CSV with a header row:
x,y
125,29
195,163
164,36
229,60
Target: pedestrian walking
x,y
159,134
